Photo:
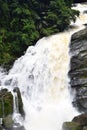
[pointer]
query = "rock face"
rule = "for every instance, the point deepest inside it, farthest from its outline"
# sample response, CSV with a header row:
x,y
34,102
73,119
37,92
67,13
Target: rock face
x,y
78,71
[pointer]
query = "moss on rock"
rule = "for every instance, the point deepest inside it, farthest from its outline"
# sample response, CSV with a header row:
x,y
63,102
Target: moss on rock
x,y
6,103
71,126
8,122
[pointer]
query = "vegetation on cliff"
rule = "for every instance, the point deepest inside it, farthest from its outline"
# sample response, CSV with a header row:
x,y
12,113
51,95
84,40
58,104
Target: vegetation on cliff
x,y
22,23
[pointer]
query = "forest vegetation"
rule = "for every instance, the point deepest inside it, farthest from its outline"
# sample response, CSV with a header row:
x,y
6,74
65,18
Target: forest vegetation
x,y
23,22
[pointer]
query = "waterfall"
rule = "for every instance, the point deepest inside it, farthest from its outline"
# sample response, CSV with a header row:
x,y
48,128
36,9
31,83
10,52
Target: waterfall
x,y
0,121
17,117
15,103
42,76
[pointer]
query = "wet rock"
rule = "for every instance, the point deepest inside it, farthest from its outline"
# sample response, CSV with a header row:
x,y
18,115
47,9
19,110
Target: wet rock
x,y
81,99
8,122
78,68
18,128
8,82
6,103
71,126
81,119
20,103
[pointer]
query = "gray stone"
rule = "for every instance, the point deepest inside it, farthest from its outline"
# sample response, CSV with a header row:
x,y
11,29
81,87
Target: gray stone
x,y
78,68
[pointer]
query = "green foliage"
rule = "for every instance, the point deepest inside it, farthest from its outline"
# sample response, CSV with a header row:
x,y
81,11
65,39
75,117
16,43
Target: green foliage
x,y
22,23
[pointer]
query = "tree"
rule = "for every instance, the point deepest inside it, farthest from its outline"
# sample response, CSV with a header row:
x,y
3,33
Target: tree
x,y
22,23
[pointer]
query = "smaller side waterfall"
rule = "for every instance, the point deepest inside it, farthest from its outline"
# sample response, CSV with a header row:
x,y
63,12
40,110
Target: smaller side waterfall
x,y
15,103
0,121
18,119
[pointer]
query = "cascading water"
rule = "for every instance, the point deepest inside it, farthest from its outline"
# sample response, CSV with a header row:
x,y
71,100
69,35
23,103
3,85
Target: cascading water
x,y
42,77
15,103
16,115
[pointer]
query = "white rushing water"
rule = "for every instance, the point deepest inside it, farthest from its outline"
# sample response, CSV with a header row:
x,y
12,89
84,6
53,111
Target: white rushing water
x,y
42,76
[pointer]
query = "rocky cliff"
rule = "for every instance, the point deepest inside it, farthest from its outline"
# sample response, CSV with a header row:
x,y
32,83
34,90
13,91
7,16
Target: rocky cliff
x,y
78,69
78,79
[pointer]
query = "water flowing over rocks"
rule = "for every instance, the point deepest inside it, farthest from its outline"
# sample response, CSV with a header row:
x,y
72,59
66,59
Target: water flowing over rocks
x,y
78,71
41,76
20,103
7,109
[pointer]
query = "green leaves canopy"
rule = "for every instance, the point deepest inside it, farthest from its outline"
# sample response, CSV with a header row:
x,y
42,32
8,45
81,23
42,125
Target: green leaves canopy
x,y
23,22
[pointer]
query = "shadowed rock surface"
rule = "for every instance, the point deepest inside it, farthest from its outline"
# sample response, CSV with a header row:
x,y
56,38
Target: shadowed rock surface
x,y
78,71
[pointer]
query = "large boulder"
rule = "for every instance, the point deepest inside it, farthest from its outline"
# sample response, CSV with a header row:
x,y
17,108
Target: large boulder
x,y
78,69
